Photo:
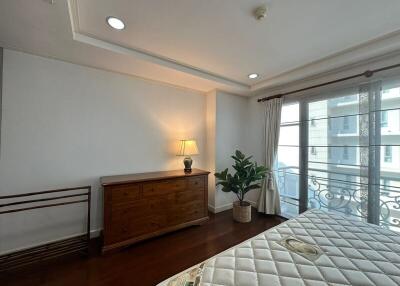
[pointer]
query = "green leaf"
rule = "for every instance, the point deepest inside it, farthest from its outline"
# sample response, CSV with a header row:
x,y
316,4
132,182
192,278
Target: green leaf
x,y
235,158
248,158
226,189
246,177
240,155
253,187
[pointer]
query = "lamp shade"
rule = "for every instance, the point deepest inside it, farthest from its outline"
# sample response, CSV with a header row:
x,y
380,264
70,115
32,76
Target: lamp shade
x,y
187,148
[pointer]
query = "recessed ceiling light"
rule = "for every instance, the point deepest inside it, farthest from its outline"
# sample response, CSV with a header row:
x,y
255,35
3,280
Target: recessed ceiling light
x,y
115,23
253,75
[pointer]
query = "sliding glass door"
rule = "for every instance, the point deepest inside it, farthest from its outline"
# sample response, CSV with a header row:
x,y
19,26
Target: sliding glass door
x,y
287,163
334,168
389,184
341,153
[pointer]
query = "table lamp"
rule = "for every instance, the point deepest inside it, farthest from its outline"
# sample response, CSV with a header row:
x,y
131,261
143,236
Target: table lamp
x,y
187,149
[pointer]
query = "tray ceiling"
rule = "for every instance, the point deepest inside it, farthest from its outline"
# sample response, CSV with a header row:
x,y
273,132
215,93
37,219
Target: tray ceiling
x,y
207,44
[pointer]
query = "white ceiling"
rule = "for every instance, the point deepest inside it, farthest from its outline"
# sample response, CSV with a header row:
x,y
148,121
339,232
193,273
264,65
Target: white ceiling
x,y
204,44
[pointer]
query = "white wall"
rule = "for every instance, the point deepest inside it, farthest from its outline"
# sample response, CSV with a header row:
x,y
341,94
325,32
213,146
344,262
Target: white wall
x,y
230,120
211,99
65,125
255,129
231,116
231,129
255,137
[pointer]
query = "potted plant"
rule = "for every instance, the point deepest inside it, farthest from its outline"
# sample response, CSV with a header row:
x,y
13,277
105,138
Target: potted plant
x,y
247,177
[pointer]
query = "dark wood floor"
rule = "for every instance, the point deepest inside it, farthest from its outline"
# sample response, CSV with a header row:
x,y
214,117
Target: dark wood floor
x,y
149,262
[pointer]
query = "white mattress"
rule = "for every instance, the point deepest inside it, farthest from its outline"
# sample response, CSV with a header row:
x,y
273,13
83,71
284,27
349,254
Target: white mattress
x,y
353,253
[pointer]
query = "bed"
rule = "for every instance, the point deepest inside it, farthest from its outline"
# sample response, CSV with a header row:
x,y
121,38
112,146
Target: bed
x,y
315,248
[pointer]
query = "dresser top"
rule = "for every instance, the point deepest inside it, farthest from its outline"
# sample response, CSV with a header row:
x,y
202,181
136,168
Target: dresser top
x,y
140,177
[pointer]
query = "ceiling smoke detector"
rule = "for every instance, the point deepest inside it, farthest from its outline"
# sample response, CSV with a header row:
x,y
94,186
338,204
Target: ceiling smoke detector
x,y
261,12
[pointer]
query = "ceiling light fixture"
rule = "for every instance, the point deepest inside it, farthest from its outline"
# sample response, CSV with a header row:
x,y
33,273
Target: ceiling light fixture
x,y
253,75
115,23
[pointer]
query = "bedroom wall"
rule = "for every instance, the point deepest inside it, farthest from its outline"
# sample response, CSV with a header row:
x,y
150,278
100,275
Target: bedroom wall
x,y
227,129
255,131
65,125
231,117
255,136
211,146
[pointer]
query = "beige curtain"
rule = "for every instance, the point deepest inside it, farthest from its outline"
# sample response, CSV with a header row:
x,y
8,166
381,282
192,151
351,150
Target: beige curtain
x,y
268,201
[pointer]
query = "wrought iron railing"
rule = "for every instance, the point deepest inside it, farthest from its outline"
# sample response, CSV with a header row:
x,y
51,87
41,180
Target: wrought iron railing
x,y
327,191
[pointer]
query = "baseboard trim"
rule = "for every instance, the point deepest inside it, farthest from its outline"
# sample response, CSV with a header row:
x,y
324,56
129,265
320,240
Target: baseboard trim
x,y
93,234
223,208
226,207
211,208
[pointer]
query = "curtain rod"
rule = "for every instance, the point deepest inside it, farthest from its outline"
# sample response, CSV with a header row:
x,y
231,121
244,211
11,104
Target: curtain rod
x,y
367,74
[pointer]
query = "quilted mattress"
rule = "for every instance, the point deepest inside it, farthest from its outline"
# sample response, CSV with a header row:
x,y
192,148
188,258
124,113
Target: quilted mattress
x,y
350,253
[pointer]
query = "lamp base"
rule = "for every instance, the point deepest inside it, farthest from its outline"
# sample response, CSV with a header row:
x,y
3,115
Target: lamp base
x,y
188,164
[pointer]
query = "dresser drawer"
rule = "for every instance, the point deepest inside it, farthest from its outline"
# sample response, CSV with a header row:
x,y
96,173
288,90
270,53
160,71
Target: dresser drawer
x,y
127,220
154,204
196,183
163,187
180,198
156,222
129,226
125,229
128,211
194,211
184,212
125,193
140,210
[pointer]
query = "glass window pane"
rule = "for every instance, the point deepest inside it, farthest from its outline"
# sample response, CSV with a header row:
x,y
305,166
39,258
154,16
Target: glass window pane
x,y
388,95
337,106
333,169
288,157
287,163
390,126
289,135
290,113
390,159
340,131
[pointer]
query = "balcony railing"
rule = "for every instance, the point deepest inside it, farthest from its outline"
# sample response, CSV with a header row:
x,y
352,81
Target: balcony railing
x,y
326,190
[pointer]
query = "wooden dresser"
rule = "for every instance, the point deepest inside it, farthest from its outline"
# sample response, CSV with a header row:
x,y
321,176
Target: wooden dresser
x,y
140,206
